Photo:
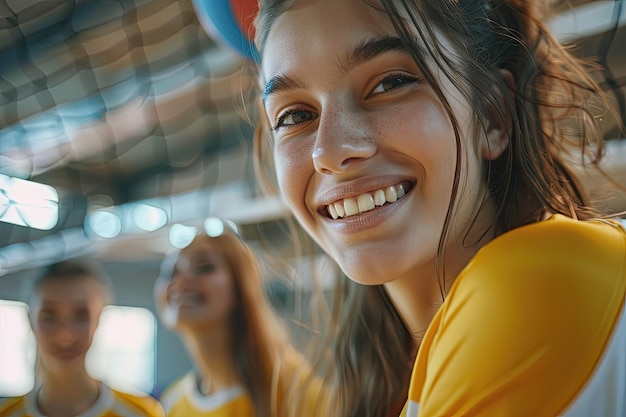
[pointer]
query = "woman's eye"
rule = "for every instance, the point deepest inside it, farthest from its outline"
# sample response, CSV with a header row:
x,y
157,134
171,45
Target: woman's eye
x,y
294,117
205,268
82,315
393,81
47,318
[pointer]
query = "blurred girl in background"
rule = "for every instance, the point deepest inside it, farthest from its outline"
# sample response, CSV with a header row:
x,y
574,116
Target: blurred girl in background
x,y
211,293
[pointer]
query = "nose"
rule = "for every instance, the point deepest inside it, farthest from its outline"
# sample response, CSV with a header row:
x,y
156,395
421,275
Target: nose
x,y
66,333
344,137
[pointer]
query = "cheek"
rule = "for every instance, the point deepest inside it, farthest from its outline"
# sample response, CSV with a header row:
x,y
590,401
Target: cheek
x,y
424,134
224,290
294,166
44,330
425,130
42,335
227,289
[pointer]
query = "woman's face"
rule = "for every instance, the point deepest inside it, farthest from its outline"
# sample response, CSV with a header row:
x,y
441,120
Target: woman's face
x,y
365,153
200,292
64,315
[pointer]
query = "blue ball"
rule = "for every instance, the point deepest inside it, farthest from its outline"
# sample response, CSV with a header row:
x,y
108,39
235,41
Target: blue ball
x,y
229,23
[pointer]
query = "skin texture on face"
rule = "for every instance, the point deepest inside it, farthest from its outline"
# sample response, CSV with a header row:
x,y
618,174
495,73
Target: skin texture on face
x,y
200,292
352,114
64,316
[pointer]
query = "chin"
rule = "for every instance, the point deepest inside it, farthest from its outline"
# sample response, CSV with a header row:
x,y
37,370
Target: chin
x,y
368,276
369,269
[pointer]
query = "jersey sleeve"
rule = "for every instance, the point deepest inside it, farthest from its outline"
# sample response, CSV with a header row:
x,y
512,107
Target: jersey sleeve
x,y
525,323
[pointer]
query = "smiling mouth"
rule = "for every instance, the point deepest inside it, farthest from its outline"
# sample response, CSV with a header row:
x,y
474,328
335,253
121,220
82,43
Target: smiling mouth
x,y
366,202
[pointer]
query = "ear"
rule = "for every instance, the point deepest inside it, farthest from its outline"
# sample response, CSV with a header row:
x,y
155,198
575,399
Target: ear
x,y
498,121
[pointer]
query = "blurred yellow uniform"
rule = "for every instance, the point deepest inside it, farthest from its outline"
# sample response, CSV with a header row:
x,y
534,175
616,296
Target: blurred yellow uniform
x,y
533,326
183,399
297,393
110,403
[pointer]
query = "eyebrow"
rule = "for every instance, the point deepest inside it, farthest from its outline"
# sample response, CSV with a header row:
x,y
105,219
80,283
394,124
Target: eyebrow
x,y
366,51
370,49
280,83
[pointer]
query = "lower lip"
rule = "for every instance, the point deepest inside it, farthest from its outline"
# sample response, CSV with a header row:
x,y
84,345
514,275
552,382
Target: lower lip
x,y
368,220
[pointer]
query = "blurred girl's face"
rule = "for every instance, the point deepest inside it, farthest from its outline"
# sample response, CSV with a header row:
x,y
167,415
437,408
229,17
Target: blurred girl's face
x,y
64,315
365,153
200,292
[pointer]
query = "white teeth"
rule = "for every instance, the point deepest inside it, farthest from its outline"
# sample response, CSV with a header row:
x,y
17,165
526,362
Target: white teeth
x,y
351,206
332,211
365,202
391,194
379,198
341,211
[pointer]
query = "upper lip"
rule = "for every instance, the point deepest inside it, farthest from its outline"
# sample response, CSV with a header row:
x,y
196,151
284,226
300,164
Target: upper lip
x,y
355,188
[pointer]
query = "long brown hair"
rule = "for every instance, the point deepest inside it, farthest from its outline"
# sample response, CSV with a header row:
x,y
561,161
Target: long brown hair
x,y
551,106
257,337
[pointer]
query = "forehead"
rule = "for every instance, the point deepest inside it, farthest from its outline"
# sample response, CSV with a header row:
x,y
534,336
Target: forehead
x,y
201,248
71,290
313,27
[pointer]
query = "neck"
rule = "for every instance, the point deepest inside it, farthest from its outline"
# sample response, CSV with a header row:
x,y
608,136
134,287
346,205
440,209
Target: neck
x,y
418,295
67,394
416,300
212,355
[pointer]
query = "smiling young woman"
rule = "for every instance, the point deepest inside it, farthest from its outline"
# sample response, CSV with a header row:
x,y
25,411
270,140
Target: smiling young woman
x,y
424,145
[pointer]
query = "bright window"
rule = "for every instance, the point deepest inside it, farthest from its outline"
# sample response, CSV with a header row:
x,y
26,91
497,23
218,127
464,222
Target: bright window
x,y
28,203
17,349
122,353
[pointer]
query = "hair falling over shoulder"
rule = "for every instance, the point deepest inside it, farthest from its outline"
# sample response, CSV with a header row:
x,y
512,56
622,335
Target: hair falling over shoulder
x,y
258,337
505,62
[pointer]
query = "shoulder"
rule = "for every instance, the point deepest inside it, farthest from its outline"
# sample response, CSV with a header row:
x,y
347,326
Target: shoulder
x,y
140,405
561,275
527,320
559,254
14,406
555,239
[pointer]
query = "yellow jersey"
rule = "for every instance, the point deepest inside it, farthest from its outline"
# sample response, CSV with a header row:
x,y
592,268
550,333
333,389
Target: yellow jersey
x,y
183,399
534,325
110,403
296,392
